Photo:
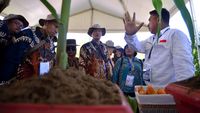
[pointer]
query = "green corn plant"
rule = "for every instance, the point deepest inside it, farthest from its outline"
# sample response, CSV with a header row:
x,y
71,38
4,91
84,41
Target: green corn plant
x,y
158,7
180,4
187,18
62,30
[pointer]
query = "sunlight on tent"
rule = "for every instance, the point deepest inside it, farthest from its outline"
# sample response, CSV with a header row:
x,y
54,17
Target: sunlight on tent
x,y
118,38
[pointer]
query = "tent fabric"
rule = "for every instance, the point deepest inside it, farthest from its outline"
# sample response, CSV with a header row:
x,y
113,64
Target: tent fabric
x,y
84,13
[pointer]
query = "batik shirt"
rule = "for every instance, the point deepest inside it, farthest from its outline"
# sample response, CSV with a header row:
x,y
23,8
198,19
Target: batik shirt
x,y
94,60
15,49
73,62
4,33
45,52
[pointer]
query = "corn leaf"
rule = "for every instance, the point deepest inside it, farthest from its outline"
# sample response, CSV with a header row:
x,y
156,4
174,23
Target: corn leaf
x,y
158,7
63,28
51,9
180,4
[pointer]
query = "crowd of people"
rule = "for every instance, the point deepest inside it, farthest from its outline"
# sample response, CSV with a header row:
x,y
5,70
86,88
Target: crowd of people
x,y
168,57
25,48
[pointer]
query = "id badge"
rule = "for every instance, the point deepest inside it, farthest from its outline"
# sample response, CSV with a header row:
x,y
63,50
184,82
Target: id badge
x,y
147,72
129,80
44,67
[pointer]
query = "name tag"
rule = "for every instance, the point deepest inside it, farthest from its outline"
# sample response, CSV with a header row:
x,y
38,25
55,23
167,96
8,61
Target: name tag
x,y
44,67
147,72
129,80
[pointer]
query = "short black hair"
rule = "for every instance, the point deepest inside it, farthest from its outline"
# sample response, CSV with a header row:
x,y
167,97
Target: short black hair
x,y
125,47
164,13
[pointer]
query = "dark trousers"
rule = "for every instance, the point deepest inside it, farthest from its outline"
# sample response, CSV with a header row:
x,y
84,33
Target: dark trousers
x,y
129,94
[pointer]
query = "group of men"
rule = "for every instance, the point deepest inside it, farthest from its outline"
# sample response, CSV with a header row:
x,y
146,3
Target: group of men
x,y
168,57
23,48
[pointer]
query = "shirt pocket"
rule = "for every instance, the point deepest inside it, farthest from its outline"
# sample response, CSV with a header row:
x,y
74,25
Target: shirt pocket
x,y
163,43
161,49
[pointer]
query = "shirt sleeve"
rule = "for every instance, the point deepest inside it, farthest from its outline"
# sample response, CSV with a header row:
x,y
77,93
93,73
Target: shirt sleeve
x,y
82,58
134,43
182,56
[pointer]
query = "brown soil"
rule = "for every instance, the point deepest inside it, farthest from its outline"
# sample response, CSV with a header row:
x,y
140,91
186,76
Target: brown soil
x,y
61,87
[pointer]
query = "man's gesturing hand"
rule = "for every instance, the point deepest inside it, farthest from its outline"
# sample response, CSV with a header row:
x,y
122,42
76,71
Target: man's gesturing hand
x,y
130,25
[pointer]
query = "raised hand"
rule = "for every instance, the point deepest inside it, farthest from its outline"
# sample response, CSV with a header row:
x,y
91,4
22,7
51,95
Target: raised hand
x,y
130,25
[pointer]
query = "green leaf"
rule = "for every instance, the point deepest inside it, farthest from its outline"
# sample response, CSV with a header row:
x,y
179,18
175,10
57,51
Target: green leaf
x,y
64,60
180,4
158,7
51,9
63,28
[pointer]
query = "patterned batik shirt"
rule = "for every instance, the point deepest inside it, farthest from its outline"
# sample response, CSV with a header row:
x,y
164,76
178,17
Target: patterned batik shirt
x,y
14,54
44,52
94,60
73,62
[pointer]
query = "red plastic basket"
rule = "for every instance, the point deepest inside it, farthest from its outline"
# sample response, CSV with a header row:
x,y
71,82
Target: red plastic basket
x,y
50,108
186,101
41,108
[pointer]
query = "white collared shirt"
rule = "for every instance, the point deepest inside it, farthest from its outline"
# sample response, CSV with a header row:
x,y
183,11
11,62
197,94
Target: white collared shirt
x,y
171,57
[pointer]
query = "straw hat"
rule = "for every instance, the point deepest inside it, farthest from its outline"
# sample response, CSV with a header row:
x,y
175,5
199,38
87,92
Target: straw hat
x,y
19,17
110,44
118,47
48,18
96,26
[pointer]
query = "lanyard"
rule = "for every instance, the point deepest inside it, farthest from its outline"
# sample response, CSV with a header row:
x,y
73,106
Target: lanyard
x,y
131,65
99,52
149,56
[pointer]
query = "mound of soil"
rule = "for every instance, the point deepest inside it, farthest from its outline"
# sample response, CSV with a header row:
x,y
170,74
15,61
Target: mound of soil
x,y
61,87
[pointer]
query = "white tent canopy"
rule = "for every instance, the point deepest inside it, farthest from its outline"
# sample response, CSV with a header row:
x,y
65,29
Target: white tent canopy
x,y
84,13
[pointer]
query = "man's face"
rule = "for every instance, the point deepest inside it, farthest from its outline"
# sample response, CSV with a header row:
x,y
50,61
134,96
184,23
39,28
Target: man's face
x,y
96,34
51,28
15,25
153,23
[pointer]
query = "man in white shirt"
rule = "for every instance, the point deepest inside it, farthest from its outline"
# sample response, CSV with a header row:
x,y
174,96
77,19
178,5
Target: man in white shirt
x,y
168,57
